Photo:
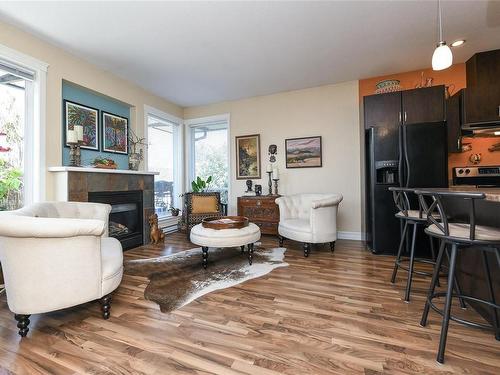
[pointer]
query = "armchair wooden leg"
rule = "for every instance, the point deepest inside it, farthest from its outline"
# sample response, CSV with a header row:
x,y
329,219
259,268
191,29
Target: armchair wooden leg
x,y
23,322
307,248
250,253
332,246
105,306
204,249
281,240
242,248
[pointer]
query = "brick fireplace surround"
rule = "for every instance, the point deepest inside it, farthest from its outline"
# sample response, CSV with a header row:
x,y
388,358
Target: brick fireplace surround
x,y
75,184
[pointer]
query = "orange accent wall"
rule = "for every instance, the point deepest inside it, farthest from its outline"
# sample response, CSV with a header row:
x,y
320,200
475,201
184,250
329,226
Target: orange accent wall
x,y
454,75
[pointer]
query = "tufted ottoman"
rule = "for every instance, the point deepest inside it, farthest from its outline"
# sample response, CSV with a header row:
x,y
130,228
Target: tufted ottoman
x,y
207,237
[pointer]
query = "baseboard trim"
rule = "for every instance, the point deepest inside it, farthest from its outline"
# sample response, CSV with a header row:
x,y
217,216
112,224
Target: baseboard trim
x,y
356,236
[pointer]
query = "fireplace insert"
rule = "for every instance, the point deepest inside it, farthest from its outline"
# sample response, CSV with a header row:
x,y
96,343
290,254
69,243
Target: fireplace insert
x,y
125,219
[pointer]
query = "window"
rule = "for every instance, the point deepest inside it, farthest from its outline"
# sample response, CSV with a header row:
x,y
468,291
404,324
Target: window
x,y
22,94
164,156
209,152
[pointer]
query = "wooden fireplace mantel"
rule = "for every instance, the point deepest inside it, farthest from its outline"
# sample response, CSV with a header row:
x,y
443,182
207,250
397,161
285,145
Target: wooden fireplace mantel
x,y
98,170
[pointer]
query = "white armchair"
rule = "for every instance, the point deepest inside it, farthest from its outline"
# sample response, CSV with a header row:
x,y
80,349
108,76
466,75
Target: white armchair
x,y
56,255
309,218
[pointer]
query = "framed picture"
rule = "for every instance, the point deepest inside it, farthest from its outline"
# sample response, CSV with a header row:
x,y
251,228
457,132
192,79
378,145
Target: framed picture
x,y
248,157
303,152
78,114
115,133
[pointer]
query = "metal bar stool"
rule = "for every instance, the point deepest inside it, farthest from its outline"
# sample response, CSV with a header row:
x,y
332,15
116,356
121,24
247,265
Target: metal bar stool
x,y
461,236
417,219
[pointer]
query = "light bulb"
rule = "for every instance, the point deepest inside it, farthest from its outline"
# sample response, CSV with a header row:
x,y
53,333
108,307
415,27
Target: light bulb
x,y
442,57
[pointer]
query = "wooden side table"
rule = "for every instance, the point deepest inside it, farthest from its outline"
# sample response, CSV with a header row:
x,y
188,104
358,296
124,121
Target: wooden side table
x,y
262,211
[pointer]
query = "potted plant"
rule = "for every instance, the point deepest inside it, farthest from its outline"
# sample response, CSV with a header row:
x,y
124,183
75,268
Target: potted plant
x,y
200,185
174,211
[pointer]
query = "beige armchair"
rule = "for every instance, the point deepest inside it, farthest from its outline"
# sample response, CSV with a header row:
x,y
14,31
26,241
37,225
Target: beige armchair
x,y
56,255
309,218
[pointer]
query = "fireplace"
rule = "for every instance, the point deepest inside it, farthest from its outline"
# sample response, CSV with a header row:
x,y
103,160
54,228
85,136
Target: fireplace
x,y
126,217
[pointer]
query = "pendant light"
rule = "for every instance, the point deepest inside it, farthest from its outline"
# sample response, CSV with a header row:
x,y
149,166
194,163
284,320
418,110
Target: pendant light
x,y
442,57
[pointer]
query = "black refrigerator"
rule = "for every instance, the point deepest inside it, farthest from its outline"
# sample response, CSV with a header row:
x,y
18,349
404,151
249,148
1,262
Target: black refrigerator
x,y
408,155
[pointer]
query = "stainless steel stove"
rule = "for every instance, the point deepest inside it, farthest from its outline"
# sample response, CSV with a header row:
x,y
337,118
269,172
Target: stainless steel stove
x,y
479,176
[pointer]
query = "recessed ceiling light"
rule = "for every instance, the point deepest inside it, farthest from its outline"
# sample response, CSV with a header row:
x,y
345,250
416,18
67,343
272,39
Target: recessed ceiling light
x,y
457,43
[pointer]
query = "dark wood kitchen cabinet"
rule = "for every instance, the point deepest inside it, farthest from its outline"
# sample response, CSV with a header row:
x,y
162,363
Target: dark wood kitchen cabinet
x,y
453,122
481,98
423,105
481,104
382,110
415,106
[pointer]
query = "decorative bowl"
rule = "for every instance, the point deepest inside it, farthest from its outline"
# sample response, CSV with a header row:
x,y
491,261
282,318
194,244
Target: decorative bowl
x,y
387,83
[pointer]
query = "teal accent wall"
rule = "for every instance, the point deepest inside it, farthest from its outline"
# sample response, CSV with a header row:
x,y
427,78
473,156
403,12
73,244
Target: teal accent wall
x,y
89,98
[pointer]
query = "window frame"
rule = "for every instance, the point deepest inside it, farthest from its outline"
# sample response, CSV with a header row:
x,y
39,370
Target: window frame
x,y
35,167
178,152
206,121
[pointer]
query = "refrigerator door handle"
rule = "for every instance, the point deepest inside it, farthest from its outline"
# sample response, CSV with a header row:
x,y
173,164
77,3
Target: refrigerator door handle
x,y
407,161
400,157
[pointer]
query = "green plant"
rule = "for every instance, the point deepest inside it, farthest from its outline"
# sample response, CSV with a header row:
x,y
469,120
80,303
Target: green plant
x,y
174,211
200,185
11,179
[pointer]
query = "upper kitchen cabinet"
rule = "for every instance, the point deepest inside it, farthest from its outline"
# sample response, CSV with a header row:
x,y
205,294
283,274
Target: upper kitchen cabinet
x,y
453,122
382,110
416,106
424,105
481,98
481,104
483,69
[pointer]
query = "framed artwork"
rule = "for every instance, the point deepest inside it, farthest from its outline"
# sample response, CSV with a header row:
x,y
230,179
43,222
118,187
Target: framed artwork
x,y
115,133
303,152
78,114
248,157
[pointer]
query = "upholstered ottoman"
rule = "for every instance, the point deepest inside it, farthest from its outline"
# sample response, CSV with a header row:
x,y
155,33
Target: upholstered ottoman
x,y
207,237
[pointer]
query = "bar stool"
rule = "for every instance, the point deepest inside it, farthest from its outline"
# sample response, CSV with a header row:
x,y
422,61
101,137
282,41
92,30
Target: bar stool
x,y
409,217
461,236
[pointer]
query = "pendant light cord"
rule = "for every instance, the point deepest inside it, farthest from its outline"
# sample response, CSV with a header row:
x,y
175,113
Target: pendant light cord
x,y
440,25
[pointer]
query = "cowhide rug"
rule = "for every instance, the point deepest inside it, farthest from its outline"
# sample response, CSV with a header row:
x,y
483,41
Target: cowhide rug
x,y
178,279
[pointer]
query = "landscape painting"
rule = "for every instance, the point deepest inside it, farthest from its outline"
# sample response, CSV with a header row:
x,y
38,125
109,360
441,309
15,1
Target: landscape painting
x,y
115,131
77,114
303,152
248,157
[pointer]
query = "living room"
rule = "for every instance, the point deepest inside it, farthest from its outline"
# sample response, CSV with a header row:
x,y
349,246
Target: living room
x,y
250,187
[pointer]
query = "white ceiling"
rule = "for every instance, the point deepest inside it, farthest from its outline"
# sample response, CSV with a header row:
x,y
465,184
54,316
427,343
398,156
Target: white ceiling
x,y
196,53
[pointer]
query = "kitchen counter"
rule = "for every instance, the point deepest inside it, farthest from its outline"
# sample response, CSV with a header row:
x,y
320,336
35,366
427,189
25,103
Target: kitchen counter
x,y
492,194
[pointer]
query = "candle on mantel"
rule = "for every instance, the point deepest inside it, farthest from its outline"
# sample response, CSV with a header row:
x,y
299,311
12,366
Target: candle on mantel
x,y
269,168
79,132
276,175
71,136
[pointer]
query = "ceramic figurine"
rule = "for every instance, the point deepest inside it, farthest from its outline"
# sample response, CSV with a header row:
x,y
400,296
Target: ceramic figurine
x,y
155,235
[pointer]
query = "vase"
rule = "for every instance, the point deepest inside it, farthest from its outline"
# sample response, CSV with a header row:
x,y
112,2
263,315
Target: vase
x,y
134,160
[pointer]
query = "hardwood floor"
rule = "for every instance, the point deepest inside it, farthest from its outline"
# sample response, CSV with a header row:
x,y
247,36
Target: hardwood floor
x,y
326,314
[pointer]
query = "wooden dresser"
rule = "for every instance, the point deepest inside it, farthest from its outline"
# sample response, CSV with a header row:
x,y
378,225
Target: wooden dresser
x,y
261,211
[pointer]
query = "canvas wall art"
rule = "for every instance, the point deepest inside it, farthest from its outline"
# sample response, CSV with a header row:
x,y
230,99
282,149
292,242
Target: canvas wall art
x,y
248,157
303,152
115,133
78,114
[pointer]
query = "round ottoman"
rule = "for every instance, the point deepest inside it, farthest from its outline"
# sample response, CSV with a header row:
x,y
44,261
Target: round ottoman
x,y
207,237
